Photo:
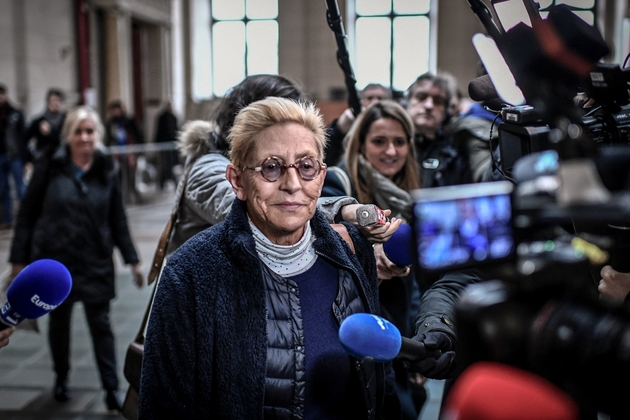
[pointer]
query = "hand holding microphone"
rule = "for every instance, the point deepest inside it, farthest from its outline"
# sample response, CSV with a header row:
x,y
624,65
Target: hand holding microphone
x,y
38,289
399,247
4,336
440,367
385,267
371,337
394,257
371,221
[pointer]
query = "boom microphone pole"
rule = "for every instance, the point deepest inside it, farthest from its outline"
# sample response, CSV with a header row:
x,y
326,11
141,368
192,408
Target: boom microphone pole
x,y
334,21
485,16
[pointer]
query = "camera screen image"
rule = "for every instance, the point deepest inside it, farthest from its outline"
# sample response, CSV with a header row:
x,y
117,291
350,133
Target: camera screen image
x,y
465,225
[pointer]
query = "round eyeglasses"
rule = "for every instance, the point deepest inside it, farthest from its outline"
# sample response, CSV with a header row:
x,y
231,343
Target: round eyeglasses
x,y
273,168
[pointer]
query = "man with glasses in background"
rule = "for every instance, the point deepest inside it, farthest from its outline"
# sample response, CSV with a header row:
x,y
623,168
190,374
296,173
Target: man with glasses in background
x,y
429,102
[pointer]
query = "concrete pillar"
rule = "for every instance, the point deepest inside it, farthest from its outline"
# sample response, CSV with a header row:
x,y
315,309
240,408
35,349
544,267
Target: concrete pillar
x,y
176,58
117,39
21,94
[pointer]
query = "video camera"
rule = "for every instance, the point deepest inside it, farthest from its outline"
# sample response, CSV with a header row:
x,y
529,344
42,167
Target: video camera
x,y
543,314
569,169
545,66
525,130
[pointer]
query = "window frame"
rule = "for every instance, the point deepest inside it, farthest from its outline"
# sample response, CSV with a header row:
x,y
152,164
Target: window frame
x,y
351,18
245,20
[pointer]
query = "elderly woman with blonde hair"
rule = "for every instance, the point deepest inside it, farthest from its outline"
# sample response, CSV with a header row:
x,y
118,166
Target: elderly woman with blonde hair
x,y
73,212
246,316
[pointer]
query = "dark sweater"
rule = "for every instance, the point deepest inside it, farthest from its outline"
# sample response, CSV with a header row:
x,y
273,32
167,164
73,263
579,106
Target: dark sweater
x,y
328,366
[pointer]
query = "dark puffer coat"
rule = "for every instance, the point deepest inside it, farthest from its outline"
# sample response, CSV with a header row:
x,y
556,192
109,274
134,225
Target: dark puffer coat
x,y
76,222
210,327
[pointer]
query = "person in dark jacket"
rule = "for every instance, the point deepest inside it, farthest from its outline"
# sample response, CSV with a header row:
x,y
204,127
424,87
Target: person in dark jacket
x,y
45,129
166,131
122,130
13,154
471,135
73,213
430,106
246,315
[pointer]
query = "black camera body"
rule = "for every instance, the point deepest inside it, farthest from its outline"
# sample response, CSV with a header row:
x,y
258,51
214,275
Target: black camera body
x,y
542,313
523,131
609,129
550,322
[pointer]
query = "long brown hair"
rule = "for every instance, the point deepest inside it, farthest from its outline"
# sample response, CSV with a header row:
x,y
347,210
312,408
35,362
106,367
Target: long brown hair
x,y
409,176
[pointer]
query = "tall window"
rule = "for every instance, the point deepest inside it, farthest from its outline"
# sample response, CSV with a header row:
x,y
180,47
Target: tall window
x,y
511,12
392,41
583,8
244,41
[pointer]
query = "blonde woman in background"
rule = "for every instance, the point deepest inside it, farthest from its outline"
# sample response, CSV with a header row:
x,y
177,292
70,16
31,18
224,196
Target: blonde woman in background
x,y
73,213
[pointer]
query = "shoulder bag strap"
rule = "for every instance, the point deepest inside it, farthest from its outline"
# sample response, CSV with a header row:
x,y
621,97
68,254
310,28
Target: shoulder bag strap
x,y
160,253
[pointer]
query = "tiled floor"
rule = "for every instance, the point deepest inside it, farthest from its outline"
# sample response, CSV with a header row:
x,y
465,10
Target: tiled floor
x,y
26,377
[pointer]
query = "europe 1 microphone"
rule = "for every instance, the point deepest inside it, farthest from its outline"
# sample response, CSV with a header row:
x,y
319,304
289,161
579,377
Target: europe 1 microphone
x,y
38,289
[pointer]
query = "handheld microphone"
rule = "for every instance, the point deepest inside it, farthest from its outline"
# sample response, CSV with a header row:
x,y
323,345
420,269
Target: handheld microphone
x,y
371,337
38,289
399,247
370,215
494,391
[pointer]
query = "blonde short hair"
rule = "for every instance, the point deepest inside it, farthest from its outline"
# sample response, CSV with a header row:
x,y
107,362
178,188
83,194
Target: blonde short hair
x,y
74,118
268,112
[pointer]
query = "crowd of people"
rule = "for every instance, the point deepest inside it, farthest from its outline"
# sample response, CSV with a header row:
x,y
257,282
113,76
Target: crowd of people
x,y
265,185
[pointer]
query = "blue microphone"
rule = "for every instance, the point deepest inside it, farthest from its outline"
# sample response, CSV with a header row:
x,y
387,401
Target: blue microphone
x,y
373,338
399,247
38,289
370,337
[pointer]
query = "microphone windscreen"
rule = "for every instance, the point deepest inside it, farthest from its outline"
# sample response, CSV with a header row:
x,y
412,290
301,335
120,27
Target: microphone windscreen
x,y
370,337
494,391
482,89
39,288
399,247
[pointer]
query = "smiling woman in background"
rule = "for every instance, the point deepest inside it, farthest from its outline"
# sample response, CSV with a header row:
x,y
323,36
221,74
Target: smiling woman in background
x,y
73,213
246,316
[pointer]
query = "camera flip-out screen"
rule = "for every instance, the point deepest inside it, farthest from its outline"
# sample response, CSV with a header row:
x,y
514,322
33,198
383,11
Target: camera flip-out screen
x,y
459,226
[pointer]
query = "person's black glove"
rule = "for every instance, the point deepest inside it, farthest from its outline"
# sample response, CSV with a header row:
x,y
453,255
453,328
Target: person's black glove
x,y
439,362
